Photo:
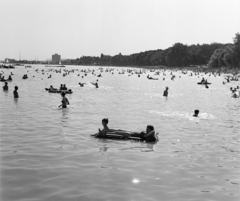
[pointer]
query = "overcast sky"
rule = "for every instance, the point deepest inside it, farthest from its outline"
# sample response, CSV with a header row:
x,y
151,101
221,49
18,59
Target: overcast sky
x,y
73,28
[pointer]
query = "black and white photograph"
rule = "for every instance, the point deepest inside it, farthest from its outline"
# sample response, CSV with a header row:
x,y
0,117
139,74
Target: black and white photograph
x,y
120,100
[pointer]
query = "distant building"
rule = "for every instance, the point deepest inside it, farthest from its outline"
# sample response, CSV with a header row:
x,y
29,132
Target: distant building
x,y
56,58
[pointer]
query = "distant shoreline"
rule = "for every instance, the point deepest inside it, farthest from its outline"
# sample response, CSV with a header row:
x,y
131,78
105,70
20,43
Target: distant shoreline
x,y
199,68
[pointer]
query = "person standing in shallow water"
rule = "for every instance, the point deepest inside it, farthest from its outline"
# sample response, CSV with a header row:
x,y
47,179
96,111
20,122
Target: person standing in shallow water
x,y
65,101
15,92
165,93
5,87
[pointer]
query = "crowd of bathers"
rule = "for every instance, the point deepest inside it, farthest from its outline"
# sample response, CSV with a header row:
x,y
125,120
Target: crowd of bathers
x,y
149,135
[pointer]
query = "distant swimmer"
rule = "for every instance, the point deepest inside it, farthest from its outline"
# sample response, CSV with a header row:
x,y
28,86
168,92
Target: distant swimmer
x,y
165,93
95,84
5,87
81,84
9,78
61,87
2,79
15,92
51,88
196,112
64,87
65,101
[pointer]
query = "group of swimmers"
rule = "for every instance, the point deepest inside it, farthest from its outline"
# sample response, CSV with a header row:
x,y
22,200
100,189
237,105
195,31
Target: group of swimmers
x,y
148,136
61,89
25,76
204,81
15,92
235,92
2,79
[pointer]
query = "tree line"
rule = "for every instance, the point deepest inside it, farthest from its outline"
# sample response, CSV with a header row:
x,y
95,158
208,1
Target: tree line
x,y
227,56
179,55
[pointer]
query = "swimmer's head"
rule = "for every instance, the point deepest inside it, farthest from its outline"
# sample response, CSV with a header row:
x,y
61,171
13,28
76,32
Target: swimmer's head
x,y
149,128
196,112
105,121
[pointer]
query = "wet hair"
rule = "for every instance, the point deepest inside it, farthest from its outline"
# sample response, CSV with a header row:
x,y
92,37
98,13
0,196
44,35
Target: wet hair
x,y
196,111
63,94
105,120
150,127
16,87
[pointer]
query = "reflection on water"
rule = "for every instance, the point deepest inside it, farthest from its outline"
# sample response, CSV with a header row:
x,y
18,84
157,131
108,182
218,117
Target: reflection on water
x,y
64,119
47,153
15,100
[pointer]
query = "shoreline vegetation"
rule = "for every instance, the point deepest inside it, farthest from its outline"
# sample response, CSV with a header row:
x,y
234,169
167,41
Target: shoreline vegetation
x,y
214,57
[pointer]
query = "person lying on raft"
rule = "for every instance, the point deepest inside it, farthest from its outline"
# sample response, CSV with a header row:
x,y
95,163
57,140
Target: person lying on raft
x,y
52,89
148,136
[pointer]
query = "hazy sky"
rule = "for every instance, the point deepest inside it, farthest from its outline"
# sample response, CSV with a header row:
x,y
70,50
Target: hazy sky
x,y
73,28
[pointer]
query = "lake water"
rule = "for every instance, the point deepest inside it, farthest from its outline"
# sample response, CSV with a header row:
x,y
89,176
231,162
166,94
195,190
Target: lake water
x,y
47,153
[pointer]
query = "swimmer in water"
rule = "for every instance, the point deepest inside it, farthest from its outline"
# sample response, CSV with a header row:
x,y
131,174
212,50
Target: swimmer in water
x,y
148,136
95,84
15,93
81,84
196,112
5,87
10,78
105,130
65,101
165,93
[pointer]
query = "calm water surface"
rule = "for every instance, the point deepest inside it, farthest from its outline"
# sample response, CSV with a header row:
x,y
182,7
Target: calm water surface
x,y
47,153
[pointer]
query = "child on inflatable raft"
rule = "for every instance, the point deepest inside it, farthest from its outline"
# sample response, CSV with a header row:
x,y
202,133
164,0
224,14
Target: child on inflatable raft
x,y
148,136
